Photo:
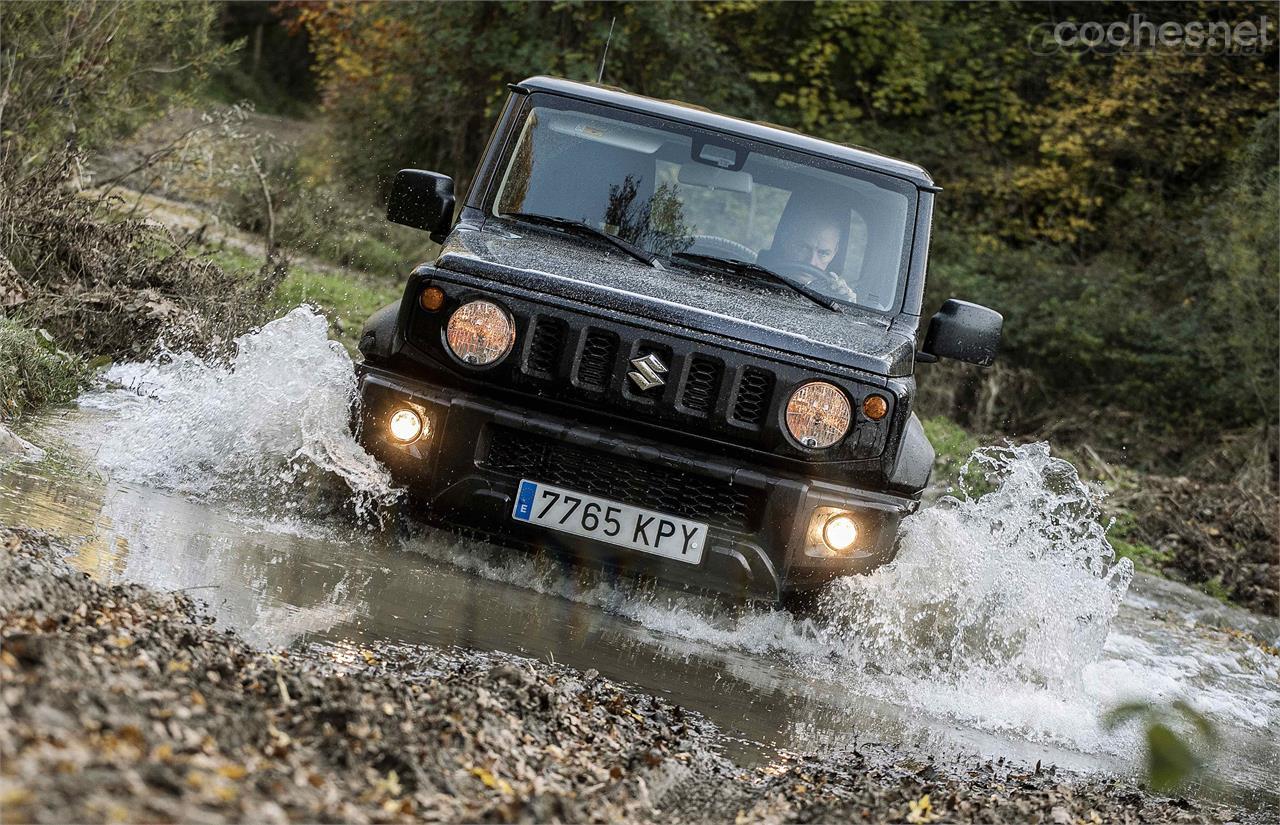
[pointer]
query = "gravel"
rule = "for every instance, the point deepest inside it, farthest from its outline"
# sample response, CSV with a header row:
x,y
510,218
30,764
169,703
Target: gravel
x,y
124,704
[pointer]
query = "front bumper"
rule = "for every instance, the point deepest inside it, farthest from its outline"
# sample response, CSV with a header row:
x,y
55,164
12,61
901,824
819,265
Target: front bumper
x,y
465,470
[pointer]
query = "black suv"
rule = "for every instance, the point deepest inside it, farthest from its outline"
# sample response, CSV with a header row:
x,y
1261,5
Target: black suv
x,y
666,341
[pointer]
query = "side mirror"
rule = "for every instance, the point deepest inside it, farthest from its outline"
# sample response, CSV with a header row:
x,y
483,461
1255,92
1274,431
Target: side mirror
x,y
423,200
964,331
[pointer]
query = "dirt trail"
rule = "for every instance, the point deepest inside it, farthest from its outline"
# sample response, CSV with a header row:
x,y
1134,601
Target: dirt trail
x,y
189,220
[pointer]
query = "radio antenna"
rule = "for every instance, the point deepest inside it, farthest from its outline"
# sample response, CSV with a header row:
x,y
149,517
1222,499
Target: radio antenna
x,y
605,56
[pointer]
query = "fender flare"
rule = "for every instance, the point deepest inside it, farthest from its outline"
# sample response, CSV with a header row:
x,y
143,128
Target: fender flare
x,y
914,463
378,338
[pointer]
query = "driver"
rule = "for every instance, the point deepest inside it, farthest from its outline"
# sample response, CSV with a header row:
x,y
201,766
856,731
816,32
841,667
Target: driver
x,y
813,243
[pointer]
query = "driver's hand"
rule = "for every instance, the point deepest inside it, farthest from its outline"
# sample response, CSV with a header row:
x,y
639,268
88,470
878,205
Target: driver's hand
x,y
837,287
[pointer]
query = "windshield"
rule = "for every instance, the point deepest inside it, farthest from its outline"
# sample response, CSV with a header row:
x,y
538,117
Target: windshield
x,y
692,196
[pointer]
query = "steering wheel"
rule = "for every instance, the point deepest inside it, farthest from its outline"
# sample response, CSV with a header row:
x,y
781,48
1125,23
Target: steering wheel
x,y
806,274
827,283
722,247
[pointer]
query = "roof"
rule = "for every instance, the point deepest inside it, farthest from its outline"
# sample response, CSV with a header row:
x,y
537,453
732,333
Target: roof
x,y
700,116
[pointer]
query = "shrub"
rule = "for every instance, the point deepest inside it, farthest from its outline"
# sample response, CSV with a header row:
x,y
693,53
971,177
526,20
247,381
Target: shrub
x,y
110,286
33,371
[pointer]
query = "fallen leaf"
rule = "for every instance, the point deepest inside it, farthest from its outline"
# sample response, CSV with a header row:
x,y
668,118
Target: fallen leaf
x,y
485,777
922,811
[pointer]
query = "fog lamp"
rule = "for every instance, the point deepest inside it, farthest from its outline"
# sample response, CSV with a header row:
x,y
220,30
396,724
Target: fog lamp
x,y
840,532
405,425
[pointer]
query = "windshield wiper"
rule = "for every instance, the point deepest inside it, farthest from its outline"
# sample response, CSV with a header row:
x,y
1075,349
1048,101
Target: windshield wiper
x,y
587,229
749,268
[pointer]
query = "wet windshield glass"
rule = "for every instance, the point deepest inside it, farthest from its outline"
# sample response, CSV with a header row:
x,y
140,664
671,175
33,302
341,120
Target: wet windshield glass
x,y
685,193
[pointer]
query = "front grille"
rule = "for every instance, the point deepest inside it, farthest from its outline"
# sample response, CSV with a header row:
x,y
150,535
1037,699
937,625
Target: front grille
x,y
545,346
754,393
627,480
702,384
596,364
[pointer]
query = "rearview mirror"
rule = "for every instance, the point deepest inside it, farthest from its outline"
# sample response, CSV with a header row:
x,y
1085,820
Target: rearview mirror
x,y
423,200
965,332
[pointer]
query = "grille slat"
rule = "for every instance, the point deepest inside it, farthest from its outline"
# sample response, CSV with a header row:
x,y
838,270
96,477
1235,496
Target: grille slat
x,y
595,366
546,345
755,390
631,481
702,385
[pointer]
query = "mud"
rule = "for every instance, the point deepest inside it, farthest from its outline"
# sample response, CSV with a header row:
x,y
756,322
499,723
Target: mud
x,y
126,704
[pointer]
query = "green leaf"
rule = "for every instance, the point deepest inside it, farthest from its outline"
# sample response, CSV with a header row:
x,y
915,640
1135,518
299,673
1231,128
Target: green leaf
x,y
1170,761
1124,713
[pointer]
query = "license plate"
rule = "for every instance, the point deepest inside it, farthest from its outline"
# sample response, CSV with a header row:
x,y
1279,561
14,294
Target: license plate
x,y
610,521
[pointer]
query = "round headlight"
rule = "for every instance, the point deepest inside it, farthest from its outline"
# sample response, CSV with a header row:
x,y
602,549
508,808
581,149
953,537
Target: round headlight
x,y
818,414
480,333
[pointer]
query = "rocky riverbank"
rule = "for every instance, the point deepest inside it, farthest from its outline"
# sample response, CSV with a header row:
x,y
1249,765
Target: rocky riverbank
x,y
124,704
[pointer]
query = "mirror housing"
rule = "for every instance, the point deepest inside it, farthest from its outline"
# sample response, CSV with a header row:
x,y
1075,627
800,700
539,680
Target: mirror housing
x,y
423,200
964,332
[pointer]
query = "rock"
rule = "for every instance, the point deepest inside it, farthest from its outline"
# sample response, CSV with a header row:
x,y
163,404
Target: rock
x,y
27,649
11,446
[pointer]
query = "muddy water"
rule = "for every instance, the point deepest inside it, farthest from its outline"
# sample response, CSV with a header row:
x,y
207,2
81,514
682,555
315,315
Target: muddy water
x,y
1004,628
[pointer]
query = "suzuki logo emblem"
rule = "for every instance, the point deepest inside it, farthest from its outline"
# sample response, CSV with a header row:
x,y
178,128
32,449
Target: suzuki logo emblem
x,y
648,372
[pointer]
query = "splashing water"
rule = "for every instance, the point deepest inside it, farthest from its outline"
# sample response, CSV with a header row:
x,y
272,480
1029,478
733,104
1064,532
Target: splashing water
x,y
993,620
268,429
997,605
1016,581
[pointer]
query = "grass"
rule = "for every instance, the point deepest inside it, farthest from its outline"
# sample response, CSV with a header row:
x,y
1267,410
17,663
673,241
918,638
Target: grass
x,y
331,224
1215,588
34,372
952,444
346,298
1120,535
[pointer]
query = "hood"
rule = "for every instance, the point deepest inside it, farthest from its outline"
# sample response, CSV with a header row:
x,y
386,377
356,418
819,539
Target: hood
x,y
733,308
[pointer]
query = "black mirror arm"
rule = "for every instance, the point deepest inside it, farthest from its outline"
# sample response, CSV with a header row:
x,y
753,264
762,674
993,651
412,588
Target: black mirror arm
x,y
923,357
